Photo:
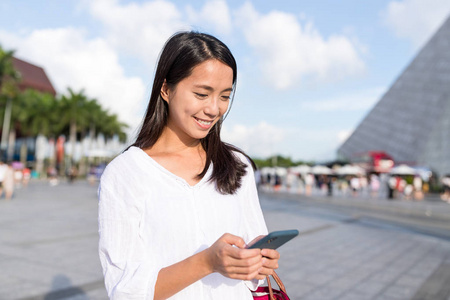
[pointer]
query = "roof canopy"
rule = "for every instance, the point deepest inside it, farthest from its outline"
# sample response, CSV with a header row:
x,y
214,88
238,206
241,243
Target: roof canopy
x,y
33,77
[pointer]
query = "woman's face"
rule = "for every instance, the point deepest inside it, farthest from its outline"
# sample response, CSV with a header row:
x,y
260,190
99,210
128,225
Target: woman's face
x,y
198,101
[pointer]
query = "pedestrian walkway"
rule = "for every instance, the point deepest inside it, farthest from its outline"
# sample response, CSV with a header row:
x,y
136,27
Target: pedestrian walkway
x,y
337,257
48,250
48,243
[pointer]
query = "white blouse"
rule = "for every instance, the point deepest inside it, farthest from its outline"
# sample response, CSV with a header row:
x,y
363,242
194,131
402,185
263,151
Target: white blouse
x,y
150,218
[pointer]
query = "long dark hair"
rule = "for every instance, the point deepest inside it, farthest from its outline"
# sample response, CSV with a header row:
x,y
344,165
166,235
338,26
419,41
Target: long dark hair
x,y
181,53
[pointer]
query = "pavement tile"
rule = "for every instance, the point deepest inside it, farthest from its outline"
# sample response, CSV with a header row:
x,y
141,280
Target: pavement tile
x,y
48,242
386,276
21,289
370,287
299,289
336,271
354,295
412,281
384,297
99,294
324,293
400,291
419,272
318,278
343,283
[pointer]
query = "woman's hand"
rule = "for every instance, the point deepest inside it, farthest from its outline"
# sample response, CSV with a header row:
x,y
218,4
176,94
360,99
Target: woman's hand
x,y
269,263
236,262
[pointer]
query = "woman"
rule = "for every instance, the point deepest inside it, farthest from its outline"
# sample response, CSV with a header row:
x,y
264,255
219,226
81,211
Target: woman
x,y
178,207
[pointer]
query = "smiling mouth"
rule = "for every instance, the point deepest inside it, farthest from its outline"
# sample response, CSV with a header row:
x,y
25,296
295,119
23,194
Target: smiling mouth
x,y
203,123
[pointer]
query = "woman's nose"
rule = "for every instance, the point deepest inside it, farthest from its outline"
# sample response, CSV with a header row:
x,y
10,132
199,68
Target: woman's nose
x,y
212,107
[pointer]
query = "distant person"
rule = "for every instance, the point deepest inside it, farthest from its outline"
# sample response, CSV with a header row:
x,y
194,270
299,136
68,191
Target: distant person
x,y
278,183
8,182
391,185
355,185
364,184
92,175
374,185
309,183
301,184
418,187
52,174
400,186
3,169
446,186
26,176
178,208
408,191
329,185
18,177
291,179
72,173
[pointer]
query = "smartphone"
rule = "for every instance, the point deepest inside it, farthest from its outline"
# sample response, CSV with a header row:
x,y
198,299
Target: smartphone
x,y
275,239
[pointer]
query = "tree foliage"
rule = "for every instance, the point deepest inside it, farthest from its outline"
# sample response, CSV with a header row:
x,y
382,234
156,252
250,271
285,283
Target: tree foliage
x,y
72,113
278,161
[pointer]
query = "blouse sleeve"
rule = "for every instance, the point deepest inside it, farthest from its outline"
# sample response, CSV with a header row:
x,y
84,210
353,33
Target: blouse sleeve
x,y
254,223
127,269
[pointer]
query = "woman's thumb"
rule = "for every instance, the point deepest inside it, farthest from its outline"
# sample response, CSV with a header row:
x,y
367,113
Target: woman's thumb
x,y
234,240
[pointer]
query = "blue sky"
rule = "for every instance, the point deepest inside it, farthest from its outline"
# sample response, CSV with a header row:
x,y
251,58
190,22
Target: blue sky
x,y
308,71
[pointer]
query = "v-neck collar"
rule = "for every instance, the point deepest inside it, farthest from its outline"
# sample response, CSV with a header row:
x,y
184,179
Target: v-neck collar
x,y
170,174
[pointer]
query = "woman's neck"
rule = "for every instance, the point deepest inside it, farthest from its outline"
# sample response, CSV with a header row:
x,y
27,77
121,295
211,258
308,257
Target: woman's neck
x,y
171,143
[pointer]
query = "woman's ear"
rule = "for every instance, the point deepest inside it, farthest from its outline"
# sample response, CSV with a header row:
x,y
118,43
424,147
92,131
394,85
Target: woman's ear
x,y
165,91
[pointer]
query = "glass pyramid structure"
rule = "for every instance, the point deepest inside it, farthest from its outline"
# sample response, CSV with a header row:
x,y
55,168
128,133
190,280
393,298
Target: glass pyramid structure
x,y
411,122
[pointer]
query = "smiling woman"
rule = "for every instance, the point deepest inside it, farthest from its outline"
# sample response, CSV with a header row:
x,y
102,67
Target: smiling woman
x,y
199,101
178,208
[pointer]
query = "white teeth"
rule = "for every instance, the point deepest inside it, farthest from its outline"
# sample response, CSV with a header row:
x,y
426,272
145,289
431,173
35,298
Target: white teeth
x,y
203,122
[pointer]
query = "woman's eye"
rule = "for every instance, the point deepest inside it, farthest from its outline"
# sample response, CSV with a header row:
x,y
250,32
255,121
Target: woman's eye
x,y
225,98
201,95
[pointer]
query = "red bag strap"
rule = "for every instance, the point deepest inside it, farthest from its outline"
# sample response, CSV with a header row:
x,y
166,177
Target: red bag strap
x,y
270,289
279,283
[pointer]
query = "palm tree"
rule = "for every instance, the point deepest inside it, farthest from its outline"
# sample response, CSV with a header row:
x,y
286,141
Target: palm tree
x,y
42,112
8,90
8,75
73,115
94,115
111,126
39,116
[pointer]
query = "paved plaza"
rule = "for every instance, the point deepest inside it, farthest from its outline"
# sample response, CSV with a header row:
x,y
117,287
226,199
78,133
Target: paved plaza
x,y
48,248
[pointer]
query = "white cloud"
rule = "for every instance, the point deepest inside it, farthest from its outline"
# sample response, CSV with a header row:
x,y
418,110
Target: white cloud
x,y
313,143
264,140
72,60
290,53
214,13
357,101
415,20
260,140
140,29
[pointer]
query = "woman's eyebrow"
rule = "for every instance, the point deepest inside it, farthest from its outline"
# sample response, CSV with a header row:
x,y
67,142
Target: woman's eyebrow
x,y
210,89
